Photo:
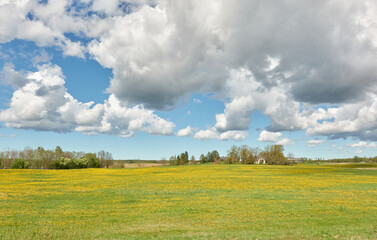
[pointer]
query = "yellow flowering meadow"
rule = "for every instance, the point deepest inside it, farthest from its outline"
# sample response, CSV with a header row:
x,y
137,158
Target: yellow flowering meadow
x,y
185,202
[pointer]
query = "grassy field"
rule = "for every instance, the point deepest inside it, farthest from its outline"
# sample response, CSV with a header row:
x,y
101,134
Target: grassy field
x,y
184,202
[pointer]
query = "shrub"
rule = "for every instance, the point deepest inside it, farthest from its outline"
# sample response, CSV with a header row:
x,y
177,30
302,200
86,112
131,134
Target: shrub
x,y
80,163
93,161
20,164
62,163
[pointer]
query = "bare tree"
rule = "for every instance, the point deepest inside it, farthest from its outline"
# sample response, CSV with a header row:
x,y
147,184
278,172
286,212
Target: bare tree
x,y
101,158
193,160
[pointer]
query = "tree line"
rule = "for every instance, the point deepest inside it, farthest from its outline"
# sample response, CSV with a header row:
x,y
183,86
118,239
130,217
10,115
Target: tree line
x,y
53,159
271,154
355,159
58,159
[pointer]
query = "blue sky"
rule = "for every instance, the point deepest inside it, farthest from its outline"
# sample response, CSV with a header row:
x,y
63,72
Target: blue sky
x,y
157,78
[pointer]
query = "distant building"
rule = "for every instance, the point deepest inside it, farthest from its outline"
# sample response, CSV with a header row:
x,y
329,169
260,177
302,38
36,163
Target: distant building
x,y
261,160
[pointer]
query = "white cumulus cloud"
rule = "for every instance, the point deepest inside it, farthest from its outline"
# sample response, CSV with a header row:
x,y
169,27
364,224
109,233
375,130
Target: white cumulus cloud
x,y
210,133
362,144
274,137
234,135
41,102
285,142
188,131
247,54
314,142
266,136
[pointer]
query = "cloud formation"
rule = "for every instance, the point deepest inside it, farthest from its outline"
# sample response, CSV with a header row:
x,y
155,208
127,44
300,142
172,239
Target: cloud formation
x,y
266,136
185,132
362,144
285,142
41,102
212,133
314,142
274,137
306,65
159,34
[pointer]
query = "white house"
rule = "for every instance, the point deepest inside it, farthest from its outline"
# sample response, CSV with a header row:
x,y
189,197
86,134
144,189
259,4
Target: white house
x,y
261,160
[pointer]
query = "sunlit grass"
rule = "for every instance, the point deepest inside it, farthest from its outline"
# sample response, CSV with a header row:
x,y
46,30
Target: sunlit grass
x,y
205,202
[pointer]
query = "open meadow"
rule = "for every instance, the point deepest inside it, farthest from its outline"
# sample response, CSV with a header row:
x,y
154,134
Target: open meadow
x,y
184,202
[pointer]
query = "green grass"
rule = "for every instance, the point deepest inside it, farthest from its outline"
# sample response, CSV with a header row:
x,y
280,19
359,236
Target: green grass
x,y
357,165
185,202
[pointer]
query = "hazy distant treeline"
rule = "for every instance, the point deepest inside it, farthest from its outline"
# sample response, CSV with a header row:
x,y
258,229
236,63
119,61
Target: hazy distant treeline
x,y
355,159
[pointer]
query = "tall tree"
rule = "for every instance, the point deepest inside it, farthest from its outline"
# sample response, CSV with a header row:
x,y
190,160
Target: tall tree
x,y
183,160
101,158
275,155
203,158
214,155
246,155
58,152
193,160
173,161
233,155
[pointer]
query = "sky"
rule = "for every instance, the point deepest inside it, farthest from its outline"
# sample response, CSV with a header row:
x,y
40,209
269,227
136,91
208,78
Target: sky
x,y
148,79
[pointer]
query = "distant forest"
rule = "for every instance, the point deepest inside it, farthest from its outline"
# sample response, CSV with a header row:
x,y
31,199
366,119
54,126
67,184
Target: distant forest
x,y
58,159
271,154
355,159
53,159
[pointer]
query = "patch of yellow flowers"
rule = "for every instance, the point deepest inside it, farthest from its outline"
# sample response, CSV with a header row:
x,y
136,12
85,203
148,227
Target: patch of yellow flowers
x,y
210,194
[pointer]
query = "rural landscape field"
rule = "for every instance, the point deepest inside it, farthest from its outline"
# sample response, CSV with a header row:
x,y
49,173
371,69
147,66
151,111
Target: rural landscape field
x,y
165,119
195,201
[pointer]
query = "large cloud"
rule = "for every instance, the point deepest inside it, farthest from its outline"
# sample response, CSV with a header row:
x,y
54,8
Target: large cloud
x,y
29,20
41,102
49,23
273,57
160,55
170,49
353,119
306,65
